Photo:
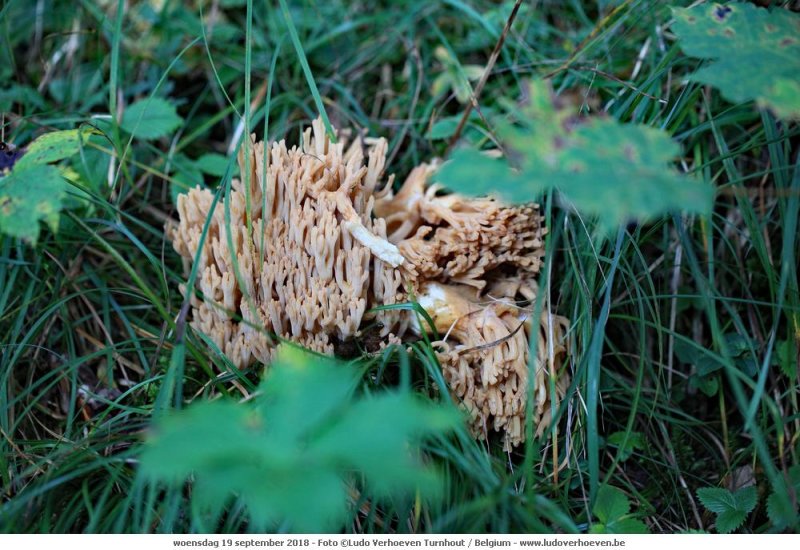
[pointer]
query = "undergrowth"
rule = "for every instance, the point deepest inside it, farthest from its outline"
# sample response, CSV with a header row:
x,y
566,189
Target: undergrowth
x,y
683,411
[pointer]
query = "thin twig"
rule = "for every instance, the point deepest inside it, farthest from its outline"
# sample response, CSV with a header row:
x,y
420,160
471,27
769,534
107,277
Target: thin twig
x,y
485,76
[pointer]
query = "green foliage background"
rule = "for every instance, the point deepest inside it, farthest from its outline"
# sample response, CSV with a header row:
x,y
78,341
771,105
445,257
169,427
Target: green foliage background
x,y
660,140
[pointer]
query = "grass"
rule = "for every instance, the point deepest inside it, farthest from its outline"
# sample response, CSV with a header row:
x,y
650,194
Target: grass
x,y
92,340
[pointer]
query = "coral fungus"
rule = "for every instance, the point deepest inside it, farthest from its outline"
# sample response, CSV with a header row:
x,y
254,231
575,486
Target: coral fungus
x,y
310,240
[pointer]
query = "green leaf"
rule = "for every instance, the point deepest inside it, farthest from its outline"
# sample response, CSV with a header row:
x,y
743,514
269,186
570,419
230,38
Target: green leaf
x,y
612,509
634,441
29,194
786,358
150,118
455,76
185,176
781,515
611,504
213,164
709,385
52,147
615,172
289,454
627,526
731,508
754,52
444,127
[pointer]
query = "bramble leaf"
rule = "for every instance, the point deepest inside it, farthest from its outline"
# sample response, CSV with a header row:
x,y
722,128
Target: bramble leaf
x,y
288,453
616,172
29,194
52,147
754,52
731,508
150,118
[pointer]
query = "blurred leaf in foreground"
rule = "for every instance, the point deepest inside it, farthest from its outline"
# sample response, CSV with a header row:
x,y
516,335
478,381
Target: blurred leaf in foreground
x,y
288,453
755,52
601,167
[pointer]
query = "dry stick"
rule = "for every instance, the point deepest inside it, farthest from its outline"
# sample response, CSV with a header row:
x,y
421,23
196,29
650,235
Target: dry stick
x,y
485,76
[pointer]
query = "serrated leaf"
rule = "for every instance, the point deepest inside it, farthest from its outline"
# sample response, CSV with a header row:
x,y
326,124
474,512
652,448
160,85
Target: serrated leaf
x,y
611,504
784,514
754,52
731,508
52,147
729,520
616,172
288,453
716,499
28,195
150,118
611,508
786,358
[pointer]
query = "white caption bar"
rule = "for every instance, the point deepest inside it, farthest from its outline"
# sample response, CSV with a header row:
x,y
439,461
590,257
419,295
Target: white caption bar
x,y
330,542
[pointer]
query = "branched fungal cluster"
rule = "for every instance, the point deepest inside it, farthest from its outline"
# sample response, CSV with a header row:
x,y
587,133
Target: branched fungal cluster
x,y
311,239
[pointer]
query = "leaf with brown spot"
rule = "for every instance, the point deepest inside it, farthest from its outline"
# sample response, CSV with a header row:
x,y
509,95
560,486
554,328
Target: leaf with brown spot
x,y
28,195
753,53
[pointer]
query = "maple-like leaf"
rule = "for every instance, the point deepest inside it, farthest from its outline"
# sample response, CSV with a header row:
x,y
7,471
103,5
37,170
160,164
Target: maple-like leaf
x,y
288,453
34,191
30,194
616,172
754,53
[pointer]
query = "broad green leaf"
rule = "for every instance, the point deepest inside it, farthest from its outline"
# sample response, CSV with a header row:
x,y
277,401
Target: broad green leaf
x,y
628,526
29,194
754,53
444,127
612,509
786,358
626,447
52,147
213,164
731,508
615,172
289,453
709,385
611,504
150,118
185,176
780,515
